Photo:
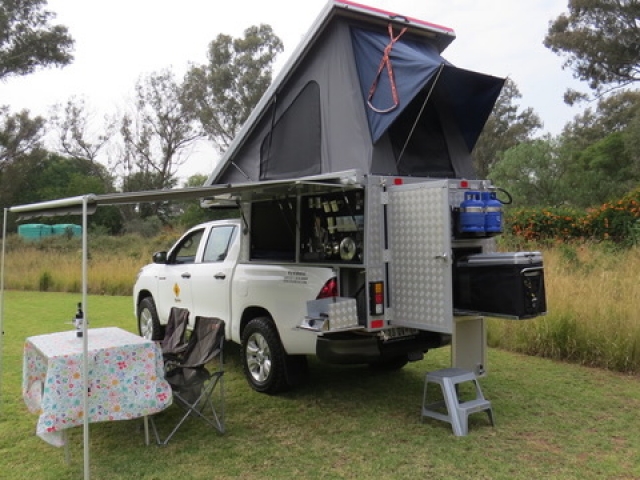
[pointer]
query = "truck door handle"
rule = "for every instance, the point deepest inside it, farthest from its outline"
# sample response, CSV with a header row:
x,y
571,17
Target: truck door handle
x,y
186,275
220,276
443,256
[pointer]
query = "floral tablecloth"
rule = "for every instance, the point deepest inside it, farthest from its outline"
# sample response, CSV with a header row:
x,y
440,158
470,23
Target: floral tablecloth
x,y
125,379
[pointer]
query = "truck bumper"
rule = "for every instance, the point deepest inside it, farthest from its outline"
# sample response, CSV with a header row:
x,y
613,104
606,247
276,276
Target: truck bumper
x,y
350,348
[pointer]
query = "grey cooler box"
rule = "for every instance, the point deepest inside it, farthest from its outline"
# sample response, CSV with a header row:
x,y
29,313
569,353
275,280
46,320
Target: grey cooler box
x,y
500,284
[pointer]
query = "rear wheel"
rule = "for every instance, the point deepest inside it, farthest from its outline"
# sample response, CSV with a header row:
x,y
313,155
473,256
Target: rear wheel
x,y
264,360
148,322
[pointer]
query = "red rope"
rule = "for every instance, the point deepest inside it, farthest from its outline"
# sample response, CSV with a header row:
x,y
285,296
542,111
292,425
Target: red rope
x,y
386,61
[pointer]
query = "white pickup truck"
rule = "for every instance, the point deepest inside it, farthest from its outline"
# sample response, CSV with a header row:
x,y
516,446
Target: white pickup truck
x,y
266,272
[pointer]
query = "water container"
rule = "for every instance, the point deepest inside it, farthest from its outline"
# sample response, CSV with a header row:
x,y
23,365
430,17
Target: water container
x,y
492,212
34,231
472,213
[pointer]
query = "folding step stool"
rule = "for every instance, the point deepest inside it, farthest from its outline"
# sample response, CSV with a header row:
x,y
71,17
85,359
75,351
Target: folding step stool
x,y
457,413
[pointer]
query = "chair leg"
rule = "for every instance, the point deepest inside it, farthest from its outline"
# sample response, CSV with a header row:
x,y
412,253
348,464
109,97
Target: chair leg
x,y
205,401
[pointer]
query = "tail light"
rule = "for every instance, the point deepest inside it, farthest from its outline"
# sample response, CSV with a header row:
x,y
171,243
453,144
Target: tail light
x,y
376,298
330,289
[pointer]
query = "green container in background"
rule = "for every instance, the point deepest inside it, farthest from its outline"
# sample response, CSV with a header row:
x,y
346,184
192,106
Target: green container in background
x,y
68,229
34,231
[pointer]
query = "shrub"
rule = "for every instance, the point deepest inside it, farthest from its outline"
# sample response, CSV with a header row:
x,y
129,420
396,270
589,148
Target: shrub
x,y
617,221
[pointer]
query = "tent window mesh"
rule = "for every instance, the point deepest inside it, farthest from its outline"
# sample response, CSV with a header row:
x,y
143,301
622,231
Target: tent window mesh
x,y
292,146
426,153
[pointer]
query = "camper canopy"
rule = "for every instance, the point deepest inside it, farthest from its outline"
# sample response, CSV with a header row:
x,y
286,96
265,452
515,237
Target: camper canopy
x,y
366,90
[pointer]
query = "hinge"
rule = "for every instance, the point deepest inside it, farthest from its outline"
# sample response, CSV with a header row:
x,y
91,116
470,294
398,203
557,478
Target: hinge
x,y
384,198
386,255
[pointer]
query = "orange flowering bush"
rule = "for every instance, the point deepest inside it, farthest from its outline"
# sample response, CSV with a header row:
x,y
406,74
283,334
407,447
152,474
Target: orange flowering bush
x,y
545,223
617,221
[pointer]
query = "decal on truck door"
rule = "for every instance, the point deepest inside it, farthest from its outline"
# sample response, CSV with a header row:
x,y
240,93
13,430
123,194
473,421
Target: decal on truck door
x,y
296,277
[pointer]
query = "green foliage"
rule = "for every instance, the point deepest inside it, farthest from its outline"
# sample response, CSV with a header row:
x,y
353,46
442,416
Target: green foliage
x,y
531,173
45,281
506,127
222,94
617,221
545,223
145,227
28,40
594,161
20,135
599,41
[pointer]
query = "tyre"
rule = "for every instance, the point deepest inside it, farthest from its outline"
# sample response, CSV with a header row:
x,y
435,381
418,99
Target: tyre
x,y
148,323
264,360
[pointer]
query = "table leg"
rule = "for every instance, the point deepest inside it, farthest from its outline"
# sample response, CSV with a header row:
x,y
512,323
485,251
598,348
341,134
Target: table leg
x,y
146,430
67,454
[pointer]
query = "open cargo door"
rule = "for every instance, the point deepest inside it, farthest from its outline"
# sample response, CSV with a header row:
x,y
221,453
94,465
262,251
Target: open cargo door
x,y
420,256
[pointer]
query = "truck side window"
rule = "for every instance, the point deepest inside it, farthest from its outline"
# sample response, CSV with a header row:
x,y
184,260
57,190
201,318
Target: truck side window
x,y
218,244
187,249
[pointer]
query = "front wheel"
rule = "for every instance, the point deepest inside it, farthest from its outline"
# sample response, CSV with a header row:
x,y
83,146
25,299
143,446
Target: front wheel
x,y
263,357
148,321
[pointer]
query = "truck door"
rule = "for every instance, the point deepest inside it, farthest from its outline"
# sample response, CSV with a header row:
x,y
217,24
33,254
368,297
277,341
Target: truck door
x,y
174,285
211,278
419,233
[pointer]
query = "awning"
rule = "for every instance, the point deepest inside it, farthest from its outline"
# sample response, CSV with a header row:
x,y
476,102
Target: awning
x,y
210,196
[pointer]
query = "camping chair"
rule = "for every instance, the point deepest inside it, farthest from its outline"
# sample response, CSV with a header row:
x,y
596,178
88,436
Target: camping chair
x,y
192,384
173,344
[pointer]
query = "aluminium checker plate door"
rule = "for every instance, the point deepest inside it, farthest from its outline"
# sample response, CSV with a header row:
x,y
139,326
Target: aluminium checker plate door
x,y
419,229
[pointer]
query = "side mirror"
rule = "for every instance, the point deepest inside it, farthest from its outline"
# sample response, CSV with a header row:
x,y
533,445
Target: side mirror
x,y
160,257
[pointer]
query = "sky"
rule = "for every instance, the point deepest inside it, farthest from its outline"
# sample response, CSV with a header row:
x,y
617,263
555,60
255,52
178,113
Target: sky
x,y
120,41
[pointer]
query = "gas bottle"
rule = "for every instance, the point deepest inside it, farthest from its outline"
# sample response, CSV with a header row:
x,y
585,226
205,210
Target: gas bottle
x,y
492,212
472,213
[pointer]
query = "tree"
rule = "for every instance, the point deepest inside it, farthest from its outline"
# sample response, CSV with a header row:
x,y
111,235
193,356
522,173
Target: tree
x,y
76,132
599,41
28,40
223,93
600,150
532,173
614,113
40,175
506,127
20,135
602,172
157,134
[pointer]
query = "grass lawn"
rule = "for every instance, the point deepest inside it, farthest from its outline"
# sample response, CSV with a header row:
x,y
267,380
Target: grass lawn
x,y
553,420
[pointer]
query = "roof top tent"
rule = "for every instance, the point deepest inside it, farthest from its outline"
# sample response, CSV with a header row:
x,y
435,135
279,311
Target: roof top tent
x,y
366,90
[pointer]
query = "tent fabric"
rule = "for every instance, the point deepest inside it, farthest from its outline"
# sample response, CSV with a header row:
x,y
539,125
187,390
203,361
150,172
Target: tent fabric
x,y
413,65
470,95
293,143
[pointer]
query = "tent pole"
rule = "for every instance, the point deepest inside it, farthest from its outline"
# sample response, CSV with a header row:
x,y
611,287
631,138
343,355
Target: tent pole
x,y
4,240
85,341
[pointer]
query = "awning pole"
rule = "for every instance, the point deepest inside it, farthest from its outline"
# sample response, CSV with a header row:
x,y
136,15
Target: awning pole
x,y
4,240
85,340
